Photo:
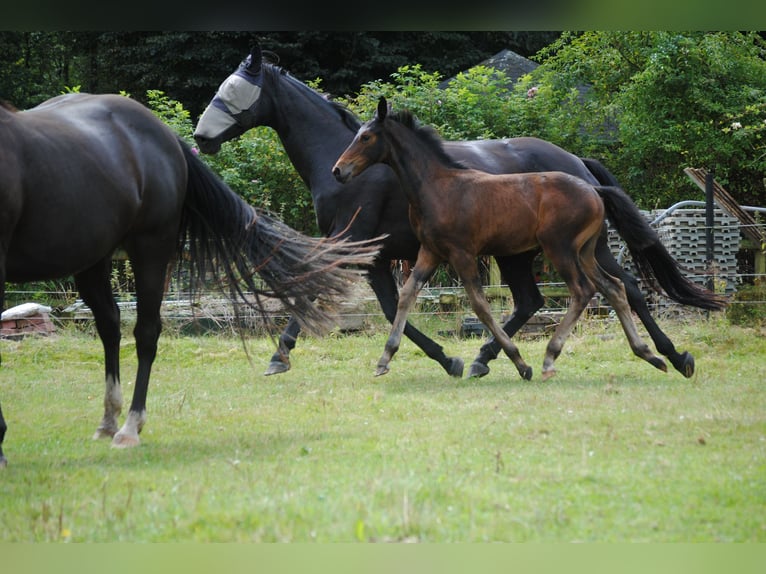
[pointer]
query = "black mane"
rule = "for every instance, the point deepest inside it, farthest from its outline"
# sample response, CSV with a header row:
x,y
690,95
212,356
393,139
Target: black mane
x,y
426,134
272,72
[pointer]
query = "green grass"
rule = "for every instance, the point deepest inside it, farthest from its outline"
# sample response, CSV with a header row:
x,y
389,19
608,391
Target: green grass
x,y
608,450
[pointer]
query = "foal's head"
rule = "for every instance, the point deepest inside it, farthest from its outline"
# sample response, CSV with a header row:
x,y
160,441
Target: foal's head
x,y
372,143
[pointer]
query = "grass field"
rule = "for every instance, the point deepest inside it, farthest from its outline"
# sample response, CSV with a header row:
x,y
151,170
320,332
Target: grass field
x,y
608,450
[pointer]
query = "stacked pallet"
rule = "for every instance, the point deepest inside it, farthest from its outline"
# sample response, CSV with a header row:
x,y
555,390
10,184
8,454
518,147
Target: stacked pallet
x,y
683,233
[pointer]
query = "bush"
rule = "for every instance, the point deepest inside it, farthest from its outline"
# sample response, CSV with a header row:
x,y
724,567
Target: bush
x,y
749,307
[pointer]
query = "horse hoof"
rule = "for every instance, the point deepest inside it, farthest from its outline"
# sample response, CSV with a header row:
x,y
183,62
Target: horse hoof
x,y
276,367
477,370
102,433
548,374
381,370
3,462
658,363
125,441
687,365
455,367
526,373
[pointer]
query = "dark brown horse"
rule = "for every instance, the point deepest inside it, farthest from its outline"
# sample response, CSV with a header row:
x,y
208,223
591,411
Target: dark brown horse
x,y
83,174
459,214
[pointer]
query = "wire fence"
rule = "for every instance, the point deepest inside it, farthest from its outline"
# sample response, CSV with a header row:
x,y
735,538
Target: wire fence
x,y
682,231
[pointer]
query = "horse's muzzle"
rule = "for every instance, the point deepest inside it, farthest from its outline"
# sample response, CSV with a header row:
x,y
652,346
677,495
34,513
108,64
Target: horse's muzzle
x,y
342,173
209,146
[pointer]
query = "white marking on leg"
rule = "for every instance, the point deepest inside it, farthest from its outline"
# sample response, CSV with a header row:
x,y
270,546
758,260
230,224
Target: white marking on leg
x,y
128,434
112,409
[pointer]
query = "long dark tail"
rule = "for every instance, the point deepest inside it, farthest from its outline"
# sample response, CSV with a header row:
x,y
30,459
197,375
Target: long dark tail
x,y
232,241
599,171
649,254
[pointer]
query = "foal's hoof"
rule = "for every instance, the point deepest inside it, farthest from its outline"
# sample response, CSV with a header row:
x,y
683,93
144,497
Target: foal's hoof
x,y
276,367
526,373
548,374
686,365
455,368
3,461
658,363
102,433
477,370
381,370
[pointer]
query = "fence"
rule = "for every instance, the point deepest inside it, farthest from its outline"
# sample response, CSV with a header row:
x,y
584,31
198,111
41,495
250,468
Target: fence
x,y
682,229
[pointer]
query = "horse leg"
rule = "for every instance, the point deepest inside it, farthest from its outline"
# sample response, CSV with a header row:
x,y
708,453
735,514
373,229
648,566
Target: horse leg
x,y
614,291
280,360
95,290
581,290
150,278
516,271
424,267
465,265
3,428
384,286
3,425
682,362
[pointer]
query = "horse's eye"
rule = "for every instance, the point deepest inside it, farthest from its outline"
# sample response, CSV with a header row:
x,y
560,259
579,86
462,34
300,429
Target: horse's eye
x,y
365,138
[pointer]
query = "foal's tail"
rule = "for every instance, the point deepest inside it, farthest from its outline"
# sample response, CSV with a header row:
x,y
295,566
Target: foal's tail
x,y
649,254
232,241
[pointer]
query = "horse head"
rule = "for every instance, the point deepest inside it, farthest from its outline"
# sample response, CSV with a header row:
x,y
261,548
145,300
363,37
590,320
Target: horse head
x,y
230,112
367,147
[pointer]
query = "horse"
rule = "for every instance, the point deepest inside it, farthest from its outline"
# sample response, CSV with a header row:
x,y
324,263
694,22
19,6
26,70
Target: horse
x,y
459,214
314,131
83,174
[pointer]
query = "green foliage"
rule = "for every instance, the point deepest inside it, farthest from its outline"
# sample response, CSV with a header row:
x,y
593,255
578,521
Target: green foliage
x,y
254,165
653,103
476,104
748,308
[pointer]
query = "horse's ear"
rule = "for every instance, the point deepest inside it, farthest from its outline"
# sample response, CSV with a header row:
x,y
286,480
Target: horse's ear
x,y
382,109
254,65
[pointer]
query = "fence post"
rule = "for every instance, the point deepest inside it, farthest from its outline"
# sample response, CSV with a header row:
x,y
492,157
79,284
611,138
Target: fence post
x,y
709,223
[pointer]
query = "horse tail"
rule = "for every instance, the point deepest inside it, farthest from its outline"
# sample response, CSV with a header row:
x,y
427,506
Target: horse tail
x,y
649,254
228,239
599,171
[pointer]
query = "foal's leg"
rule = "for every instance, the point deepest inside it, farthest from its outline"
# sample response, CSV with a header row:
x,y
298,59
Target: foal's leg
x,y
465,265
95,290
614,291
516,271
383,284
424,268
683,362
581,289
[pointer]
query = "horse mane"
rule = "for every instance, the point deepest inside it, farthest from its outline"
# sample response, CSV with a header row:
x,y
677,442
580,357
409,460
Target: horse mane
x,y
8,106
272,72
427,135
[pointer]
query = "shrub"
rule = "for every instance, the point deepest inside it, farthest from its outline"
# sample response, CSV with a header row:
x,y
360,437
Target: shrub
x,y
748,308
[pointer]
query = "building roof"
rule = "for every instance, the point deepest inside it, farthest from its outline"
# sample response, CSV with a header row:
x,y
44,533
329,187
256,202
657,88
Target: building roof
x,y
512,64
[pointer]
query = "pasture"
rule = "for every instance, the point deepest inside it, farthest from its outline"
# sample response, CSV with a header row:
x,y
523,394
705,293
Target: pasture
x,y
608,450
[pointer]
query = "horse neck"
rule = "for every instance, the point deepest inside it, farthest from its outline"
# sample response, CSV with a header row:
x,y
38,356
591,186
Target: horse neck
x,y
309,127
415,164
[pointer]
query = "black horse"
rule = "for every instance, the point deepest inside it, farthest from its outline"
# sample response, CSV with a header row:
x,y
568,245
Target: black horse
x,y
314,132
83,174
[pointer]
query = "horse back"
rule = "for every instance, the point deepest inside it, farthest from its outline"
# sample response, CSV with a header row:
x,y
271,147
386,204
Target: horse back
x,y
91,171
508,214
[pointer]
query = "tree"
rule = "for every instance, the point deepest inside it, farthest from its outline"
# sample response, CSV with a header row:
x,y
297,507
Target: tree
x,y
652,103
